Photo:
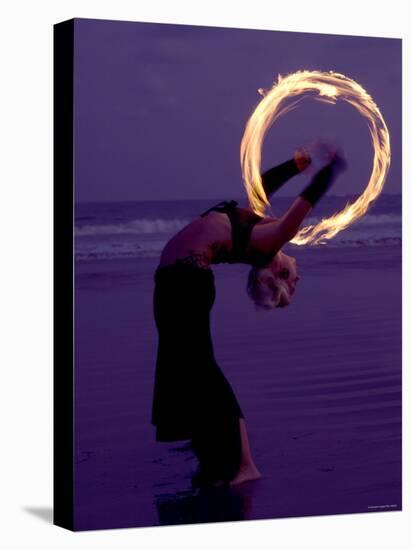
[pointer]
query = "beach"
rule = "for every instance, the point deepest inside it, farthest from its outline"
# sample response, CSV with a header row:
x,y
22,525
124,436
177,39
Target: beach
x,y
319,383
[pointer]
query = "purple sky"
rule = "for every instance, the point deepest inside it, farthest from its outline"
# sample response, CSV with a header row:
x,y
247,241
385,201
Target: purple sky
x,y
160,109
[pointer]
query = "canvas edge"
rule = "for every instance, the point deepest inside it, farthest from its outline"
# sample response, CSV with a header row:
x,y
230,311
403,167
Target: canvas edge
x,y
63,272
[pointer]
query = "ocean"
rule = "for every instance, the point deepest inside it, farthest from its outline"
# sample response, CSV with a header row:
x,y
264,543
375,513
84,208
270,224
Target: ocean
x,y
120,230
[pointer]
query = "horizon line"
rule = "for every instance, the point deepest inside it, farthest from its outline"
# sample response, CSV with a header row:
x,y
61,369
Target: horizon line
x,y
209,198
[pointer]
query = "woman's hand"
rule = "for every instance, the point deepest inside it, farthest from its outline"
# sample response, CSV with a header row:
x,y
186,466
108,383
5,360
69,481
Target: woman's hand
x,y
302,158
317,151
322,152
338,161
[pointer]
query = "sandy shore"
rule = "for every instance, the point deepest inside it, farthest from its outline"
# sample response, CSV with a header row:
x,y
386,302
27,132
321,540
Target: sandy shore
x,y
319,383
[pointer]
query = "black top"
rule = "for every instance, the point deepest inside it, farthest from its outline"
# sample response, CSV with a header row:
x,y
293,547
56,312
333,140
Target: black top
x,y
242,221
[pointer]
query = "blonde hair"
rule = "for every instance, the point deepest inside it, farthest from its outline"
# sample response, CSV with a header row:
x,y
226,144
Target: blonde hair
x,y
263,295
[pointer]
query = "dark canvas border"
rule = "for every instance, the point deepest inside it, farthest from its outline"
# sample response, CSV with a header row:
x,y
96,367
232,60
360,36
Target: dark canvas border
x,y
63,272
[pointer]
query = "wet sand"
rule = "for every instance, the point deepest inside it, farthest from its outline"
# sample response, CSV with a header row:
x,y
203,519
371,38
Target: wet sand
x,y
319,383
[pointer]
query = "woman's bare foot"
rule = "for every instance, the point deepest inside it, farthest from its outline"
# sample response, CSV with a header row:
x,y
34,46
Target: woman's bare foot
x,y
248,472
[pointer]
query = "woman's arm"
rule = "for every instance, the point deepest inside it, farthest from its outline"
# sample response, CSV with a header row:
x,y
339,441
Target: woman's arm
x,y
269,238
275,177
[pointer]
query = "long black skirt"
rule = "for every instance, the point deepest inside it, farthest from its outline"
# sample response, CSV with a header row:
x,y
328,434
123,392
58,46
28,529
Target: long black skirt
x,y
192,399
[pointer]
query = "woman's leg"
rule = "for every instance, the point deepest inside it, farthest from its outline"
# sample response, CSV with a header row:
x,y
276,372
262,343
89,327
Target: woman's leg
x,y
219,437
223,452
247,470
217,444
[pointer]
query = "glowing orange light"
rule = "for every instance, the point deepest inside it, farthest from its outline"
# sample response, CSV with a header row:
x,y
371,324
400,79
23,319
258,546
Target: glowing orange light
x,y
327,87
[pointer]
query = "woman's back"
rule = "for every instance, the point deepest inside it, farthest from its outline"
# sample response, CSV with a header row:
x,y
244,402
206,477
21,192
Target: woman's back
x,y
221,234
202,241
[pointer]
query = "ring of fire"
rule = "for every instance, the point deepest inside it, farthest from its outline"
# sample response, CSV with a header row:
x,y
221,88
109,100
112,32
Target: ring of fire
x,y
323,86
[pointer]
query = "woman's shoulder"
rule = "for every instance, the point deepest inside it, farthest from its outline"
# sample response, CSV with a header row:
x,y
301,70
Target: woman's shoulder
x,y
250,214
222,206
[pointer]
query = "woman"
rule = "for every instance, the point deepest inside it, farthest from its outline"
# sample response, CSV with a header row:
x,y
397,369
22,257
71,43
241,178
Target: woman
x,y
192,399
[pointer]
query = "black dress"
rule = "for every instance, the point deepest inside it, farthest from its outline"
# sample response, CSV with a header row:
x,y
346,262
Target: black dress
x,y
192,398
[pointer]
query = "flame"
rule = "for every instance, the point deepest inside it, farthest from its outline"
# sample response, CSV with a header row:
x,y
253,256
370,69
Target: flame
x,y
323,86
